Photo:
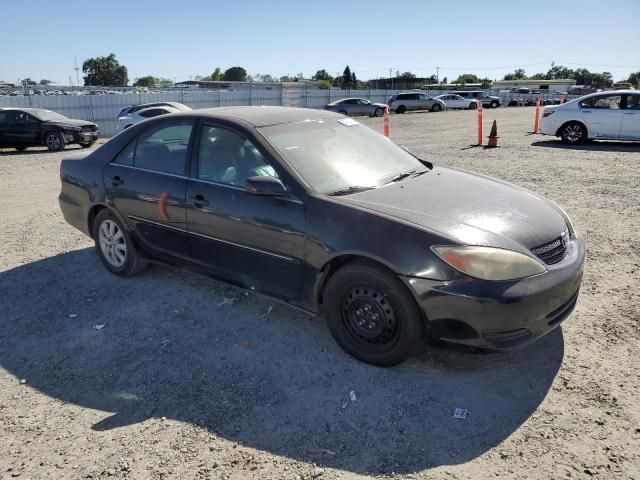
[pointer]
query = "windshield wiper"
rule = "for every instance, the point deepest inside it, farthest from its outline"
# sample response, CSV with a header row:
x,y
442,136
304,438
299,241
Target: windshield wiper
x,y
402,176
349,190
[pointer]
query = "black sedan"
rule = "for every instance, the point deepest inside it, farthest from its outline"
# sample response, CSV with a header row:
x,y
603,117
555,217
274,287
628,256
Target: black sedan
x,y
32,127
317,210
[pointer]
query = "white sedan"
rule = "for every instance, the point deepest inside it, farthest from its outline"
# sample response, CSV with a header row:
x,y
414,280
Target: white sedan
x,y
456,101
613,115
126,121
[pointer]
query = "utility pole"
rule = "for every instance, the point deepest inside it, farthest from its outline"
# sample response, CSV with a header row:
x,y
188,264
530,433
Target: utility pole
x,y
437,74
75,62
391,78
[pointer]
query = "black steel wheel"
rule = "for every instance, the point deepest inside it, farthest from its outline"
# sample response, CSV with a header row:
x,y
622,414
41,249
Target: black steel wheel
x,y
494,104
343,112
379,112
473,106
372,315
401,109
436,107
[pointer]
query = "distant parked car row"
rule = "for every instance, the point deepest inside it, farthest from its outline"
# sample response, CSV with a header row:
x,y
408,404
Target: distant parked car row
x,y
133,114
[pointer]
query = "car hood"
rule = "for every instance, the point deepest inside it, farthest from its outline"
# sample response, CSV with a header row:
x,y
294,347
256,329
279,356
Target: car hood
x,y
468,208
71,121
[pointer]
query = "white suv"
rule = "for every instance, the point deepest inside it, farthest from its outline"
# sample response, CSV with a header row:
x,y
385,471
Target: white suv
x,y
613,115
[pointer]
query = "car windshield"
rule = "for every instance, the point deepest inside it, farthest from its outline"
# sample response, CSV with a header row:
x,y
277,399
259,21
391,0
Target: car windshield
x,y
48,116
335,155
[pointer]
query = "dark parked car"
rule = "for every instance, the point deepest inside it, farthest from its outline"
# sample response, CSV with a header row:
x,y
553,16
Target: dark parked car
x,y
322,212
31,127
356,106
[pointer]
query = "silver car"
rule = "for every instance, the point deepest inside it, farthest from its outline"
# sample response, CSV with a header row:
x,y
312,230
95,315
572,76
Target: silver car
x,y
356,106
456,101
403,102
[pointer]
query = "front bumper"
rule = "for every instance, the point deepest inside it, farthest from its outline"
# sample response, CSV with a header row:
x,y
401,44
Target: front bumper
x,y
502,315
81,137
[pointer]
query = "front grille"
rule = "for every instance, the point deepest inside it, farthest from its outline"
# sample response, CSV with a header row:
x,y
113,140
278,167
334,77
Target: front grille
x,y
88,129
551,252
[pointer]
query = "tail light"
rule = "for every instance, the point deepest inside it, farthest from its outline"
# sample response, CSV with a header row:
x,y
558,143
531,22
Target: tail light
x,y
546,113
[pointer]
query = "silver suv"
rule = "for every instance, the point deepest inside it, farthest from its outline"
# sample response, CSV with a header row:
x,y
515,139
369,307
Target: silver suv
x,y
402,102
487,100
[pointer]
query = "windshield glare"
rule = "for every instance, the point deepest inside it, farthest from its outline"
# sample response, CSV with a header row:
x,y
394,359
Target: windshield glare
x,y
48,116
335,154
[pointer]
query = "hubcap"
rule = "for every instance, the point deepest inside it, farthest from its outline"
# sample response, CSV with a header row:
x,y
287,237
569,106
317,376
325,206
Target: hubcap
x,y
112,243
368,316
573,133
53,142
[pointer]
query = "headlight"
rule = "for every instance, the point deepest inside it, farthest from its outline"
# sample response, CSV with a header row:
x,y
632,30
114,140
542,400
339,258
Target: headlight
x,y
488,263
72,128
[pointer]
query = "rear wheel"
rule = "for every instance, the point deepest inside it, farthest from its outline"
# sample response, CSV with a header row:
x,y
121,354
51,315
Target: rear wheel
x,y
371,314
343,112
401,109
436,107
573,133
115,247
54,141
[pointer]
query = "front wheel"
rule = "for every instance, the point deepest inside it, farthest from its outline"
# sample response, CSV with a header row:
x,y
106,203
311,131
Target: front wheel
x,y
372,315
436,107
573,133
494,104
401,109
379,112
54,141
473,106
115,247
343,112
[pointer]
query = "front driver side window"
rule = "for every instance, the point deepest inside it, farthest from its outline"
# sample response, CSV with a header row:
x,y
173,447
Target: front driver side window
x,y
227,157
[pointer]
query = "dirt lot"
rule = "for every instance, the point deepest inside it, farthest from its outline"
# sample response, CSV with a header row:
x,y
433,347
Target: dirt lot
x,y
189,378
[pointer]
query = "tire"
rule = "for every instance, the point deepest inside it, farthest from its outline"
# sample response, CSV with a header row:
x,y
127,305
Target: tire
x,y
115,247
573,133
436,107
21,149
372,315
401,109
343,112
87,144
379,112
54,141
472,106
494,104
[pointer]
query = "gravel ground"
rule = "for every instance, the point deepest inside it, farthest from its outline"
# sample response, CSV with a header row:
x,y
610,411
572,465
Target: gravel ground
x,y
172,375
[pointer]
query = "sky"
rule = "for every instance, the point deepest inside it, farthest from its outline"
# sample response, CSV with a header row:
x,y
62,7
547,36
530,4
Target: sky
x,y
179,40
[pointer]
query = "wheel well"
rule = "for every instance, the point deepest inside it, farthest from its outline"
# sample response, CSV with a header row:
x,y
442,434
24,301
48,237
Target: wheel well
x,y
93,213
559,131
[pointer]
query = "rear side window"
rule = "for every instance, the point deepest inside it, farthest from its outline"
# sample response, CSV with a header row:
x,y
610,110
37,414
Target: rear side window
x,y
633,102
152,112
603,102
464,94
162,149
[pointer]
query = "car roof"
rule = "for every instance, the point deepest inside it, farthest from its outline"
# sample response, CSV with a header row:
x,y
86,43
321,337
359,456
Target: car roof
x,y
26,110
263,116
169,108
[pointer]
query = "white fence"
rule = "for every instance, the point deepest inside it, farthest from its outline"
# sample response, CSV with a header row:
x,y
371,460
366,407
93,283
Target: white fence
x,y
103,109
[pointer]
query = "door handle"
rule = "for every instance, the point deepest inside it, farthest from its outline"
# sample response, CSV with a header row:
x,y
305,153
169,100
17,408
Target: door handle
x,y
629,113
199,201
116,181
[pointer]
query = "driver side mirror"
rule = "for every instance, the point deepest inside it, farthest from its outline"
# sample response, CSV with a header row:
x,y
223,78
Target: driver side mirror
x,y
268,186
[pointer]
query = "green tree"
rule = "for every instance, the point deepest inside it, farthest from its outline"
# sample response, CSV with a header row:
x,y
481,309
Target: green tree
x,y
518,74
29,81
634,79
45,82
217,75
485,82
444,80
467,78
347,79
235,74
165,82
322,75
538,76
104,71
601,80
148,81
324,84
559,71
406,76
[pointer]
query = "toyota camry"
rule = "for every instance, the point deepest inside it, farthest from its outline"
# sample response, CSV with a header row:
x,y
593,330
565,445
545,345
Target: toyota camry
x,y
319,211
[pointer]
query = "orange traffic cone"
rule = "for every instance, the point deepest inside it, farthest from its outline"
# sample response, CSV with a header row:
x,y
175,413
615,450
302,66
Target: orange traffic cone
x,y
493,136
